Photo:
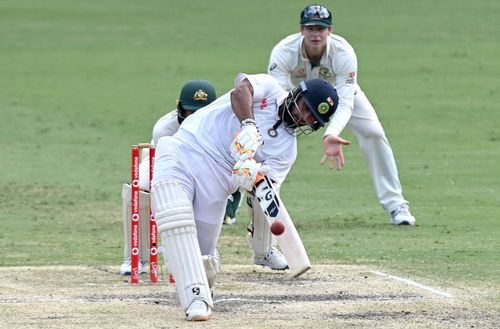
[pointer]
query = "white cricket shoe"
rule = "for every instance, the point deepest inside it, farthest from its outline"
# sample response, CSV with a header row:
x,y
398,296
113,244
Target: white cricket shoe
x,y
126,267
402,215
274,260
229,221
198,310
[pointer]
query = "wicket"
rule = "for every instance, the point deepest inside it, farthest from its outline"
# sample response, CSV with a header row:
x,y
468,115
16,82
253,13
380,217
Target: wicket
x,y
153,232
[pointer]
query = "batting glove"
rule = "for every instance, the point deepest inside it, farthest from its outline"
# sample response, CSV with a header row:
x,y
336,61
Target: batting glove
x,y
246,143
245,173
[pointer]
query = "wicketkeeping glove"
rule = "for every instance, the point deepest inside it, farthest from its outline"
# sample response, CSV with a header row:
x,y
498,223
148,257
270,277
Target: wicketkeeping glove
x,y
245,173
246,143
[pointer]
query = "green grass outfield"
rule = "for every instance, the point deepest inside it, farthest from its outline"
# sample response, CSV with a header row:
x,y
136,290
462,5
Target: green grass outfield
x,y
82,81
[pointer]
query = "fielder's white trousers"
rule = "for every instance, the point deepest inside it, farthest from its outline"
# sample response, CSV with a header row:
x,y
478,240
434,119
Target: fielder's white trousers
x,y
365,124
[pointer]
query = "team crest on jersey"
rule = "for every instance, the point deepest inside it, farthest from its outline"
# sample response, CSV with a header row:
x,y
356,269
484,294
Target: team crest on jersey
x,y
200,95
323,107
325,72
273,66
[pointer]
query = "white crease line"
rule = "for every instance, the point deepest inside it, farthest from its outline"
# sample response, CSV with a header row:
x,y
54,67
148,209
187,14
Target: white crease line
x,y
244,300
413,283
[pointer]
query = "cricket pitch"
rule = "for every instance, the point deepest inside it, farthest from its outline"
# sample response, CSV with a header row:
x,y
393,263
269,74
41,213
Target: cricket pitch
x,y
330,296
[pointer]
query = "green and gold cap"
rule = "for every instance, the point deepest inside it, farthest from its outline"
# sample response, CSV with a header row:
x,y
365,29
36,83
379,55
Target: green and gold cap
x,y
196,94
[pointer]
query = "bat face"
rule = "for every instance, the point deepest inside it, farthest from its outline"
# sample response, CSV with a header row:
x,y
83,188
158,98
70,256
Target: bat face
x,y
289,241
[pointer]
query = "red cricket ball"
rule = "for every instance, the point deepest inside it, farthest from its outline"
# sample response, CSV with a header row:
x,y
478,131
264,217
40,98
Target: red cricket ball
x,y
277,228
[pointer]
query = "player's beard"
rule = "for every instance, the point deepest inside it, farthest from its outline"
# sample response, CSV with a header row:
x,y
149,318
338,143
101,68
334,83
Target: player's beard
x,y
286,115
292,122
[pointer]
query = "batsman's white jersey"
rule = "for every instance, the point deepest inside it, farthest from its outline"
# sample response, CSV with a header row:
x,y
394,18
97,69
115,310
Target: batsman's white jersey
x,y
198,155
289,65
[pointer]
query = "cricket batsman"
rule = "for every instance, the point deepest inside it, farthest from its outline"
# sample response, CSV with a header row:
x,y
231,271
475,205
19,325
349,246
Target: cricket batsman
x,y
249,131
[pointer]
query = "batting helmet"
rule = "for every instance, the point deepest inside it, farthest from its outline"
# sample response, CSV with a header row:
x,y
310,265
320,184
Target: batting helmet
x,y
321,99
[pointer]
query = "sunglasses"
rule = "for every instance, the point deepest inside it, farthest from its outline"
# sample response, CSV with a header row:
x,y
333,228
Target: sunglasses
x,y
313,11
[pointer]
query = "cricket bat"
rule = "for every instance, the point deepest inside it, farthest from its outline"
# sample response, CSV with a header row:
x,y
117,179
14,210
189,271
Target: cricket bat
x,y
289,241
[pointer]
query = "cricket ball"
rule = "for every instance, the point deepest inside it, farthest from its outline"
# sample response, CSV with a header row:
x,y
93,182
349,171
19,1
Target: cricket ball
x,y
277,228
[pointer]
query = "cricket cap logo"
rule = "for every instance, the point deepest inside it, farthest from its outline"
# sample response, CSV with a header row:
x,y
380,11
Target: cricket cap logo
x,y
325,72
200,95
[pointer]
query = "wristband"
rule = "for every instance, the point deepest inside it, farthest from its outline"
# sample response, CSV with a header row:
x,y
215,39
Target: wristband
x,y
248,121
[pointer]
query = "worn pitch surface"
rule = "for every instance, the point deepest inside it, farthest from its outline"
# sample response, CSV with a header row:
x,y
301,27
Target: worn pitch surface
x,y
246,297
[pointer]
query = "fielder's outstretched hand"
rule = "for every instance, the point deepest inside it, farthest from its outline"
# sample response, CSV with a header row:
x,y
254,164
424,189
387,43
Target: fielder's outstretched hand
x,y
332,147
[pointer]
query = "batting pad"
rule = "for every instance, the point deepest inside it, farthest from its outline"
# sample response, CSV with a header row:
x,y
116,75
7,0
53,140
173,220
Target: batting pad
x,y
174,217
260,238
144,202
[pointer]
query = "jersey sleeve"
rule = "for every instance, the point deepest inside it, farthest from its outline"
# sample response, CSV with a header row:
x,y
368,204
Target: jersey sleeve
x,y
346,67
279,66
167,125
263,85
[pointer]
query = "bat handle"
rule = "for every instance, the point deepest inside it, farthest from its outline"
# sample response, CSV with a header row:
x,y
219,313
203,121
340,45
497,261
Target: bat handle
x,y
259,178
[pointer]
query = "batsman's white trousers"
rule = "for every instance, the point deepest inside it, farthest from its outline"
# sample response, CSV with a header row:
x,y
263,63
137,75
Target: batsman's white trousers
x,y
206,183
